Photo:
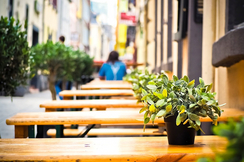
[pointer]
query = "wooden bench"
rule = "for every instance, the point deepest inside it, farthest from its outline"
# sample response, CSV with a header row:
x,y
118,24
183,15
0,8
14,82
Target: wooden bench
x,y
98,84
139,149
21,121
107,92
109,132
96,103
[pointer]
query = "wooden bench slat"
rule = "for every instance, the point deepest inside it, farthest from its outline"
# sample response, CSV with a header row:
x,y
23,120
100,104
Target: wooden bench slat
x,y
107,92
99,117
106,86
96,103
109,132
139,149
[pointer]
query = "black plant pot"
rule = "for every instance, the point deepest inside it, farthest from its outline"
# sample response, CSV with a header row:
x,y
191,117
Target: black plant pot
x,y
179,135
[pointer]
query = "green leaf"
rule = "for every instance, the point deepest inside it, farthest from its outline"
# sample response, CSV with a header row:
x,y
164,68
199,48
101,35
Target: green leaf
x,y
192,98
172,94
165,79
209,87
164,93
189,91
144,98
144,93
191,84
135,87
153,116
152,87
178,82
205,97
160,103
182,109
192,105
175,78
143,109
150,101
146,114
168,108
183,116
201,81
193,116
222,104
146,120
161,113
152,108
159,95
151,83
198,122
185,78
178,121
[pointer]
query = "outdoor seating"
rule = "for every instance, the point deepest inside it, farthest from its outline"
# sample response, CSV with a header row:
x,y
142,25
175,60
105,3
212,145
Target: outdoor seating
x,y
21,121
138,149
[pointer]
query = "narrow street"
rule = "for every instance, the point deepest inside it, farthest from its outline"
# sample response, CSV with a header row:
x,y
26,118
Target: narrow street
x,y
29,103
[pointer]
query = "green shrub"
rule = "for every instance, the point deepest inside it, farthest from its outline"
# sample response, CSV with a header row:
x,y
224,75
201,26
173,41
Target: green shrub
x,y
234,132
60,62
14,56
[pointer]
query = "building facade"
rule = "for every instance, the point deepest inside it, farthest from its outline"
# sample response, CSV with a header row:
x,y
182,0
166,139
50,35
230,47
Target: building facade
x,y
195,38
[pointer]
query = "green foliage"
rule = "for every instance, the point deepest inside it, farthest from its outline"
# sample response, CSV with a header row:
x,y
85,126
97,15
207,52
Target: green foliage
x,y
140,82
14,56
165,97
234,132
62,60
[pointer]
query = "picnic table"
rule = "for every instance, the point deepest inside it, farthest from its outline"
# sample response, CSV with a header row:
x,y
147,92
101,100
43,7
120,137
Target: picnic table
x,y
139,149
108,92
101,84
96,103
21,121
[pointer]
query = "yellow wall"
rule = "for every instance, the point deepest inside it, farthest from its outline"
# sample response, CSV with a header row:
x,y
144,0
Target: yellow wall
x,y
50,22
228,81
174,30
19,12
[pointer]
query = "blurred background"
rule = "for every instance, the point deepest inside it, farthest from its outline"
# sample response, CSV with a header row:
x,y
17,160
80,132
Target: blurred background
x,y
184,37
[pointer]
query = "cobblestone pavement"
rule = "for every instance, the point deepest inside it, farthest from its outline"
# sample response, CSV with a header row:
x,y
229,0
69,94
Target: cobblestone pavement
x,y
28,103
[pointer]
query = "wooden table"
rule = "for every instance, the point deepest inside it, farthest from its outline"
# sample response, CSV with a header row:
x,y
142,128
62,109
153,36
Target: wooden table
x,y
21,121
123,149
99,84
109,92
96,103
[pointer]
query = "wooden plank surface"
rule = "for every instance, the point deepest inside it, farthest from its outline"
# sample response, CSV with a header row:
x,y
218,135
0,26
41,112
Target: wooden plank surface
x,y
96,103
119,149
98,117
106,86
100,84
109,132
107,92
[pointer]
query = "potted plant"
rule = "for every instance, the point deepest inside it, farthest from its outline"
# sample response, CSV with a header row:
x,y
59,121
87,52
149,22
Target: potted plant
x,y
179,101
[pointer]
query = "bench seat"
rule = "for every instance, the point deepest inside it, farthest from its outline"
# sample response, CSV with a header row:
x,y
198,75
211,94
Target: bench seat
x,y
109,132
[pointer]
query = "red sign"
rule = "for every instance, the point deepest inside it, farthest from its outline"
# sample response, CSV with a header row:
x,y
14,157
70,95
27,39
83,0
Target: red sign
x,y
128,18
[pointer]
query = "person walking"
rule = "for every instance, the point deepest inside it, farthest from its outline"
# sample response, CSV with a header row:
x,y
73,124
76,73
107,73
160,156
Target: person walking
x,y
113,69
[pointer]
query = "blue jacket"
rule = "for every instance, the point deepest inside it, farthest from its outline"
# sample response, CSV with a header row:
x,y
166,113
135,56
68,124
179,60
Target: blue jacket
x,y
114,71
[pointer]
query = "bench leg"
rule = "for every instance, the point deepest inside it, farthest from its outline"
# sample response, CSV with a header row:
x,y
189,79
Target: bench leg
x,y
31,131
59,131
39,131
21,131
88,128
